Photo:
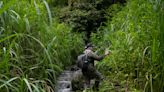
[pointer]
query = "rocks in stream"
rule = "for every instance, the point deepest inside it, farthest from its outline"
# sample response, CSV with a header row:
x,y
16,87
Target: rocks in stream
x,y
67,80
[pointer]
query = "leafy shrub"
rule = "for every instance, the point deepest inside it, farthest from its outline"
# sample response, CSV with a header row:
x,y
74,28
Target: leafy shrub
x,y
34,47
132,38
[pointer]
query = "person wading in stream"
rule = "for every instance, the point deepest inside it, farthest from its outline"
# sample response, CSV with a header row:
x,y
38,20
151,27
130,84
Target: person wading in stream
x,y
86,63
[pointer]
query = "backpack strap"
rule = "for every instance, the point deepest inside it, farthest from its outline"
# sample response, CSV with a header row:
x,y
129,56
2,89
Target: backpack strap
x,y
86,58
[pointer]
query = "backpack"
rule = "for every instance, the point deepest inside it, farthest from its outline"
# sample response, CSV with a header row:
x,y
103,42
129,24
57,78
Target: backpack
x,y
82,60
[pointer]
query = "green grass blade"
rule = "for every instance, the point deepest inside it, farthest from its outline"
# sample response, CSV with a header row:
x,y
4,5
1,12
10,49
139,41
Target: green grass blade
x,y
49,12
8,37
7,82
36,88
36,7
8,5
28,84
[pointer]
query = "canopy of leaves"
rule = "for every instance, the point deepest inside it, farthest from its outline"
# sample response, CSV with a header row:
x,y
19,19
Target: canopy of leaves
x,y
86,15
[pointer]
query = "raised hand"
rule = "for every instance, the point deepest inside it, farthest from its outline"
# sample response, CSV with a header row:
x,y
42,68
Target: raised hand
x,y
106,52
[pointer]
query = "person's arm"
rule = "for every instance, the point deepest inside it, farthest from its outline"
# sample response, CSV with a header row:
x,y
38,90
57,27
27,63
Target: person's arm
x,y
96,57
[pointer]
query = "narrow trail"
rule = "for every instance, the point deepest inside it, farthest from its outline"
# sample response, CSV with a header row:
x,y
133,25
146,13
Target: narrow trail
x,y
64,81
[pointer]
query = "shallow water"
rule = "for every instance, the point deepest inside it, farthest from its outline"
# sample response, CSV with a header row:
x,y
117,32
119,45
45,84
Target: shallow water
x,y
64,80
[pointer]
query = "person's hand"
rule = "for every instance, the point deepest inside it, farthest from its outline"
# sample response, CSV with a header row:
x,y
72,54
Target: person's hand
x,y
106,52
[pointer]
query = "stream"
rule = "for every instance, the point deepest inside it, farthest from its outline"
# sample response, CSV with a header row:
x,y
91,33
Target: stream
x,y
64,81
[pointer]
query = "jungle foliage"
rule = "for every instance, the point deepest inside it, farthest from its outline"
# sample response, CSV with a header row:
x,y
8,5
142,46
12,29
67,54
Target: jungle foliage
x,y
86,15
39,38
34,46
134,36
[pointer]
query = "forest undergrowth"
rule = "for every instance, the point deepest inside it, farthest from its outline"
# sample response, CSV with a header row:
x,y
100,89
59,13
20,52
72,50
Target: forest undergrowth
x,y
134,36
39,38
34,46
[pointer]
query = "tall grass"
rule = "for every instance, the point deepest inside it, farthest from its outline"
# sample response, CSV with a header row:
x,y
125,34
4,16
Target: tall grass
x,y
160,79
34,47
135,36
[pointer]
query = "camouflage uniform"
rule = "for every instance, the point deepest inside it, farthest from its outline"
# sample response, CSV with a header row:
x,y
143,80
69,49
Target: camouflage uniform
x,y
89,70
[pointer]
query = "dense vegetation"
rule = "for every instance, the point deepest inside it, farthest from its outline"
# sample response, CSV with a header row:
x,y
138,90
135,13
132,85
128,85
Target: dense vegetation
x,y
34,47
39,38
134,37
86,16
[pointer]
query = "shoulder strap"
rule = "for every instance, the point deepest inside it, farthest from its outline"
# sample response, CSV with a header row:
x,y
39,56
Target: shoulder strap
x,y
86,56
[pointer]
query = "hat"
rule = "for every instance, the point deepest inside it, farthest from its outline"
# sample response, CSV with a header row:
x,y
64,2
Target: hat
x,y
88,45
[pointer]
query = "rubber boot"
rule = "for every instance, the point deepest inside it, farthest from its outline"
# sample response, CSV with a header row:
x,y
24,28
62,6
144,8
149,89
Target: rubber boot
x,y
96,86
87,84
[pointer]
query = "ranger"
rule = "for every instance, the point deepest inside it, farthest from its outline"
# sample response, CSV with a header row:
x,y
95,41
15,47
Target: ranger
x,y
87,66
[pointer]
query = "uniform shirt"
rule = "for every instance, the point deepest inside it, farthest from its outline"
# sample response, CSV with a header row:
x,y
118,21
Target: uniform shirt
x,y
93,56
